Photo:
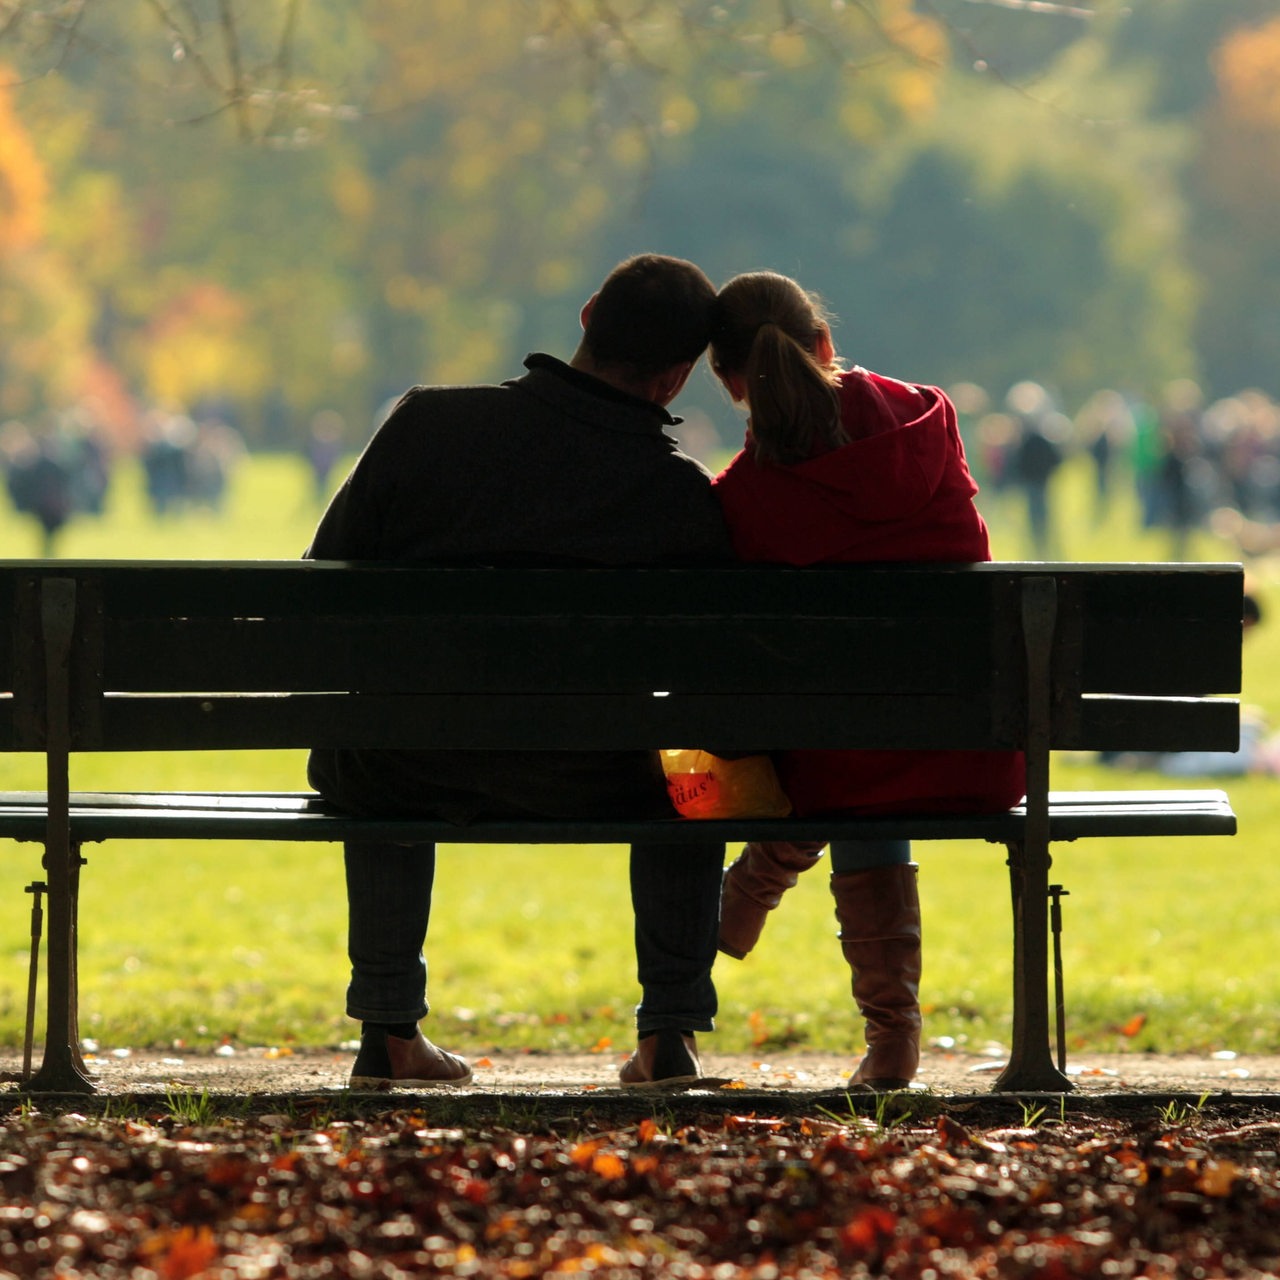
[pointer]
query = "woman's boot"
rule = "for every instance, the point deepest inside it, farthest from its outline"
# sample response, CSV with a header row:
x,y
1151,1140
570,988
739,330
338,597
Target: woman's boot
x,y
754,884
879,915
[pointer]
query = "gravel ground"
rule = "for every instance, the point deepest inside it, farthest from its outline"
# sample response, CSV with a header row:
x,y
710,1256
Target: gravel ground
x,y
797,1076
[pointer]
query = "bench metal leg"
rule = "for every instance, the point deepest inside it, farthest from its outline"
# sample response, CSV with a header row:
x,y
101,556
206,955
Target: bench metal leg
x,y
62,1069
77,861
35,888
1031,1068
1056,895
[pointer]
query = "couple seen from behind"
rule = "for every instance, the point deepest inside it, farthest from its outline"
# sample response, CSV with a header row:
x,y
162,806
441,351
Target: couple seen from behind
x,y
574,463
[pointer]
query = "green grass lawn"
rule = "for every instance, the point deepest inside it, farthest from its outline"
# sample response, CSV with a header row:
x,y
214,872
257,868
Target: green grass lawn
x,y
1167,944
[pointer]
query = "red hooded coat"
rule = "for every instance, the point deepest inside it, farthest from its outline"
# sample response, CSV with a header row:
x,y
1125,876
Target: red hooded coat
x,y
900,490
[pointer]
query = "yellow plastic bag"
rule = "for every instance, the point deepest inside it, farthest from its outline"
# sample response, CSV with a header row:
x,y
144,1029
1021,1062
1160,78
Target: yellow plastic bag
x,y
705,786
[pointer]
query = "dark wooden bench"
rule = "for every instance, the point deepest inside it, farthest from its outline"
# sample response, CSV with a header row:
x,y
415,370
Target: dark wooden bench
x,y
169,656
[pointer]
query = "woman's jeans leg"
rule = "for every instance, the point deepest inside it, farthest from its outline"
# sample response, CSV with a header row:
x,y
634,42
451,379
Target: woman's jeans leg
x,y
863,855
675,893
388,906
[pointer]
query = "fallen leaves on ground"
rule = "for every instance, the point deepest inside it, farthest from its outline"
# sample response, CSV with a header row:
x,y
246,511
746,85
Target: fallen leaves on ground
x,y
748,1195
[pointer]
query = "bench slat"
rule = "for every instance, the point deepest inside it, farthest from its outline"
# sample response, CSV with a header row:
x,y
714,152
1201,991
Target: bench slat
x,y
302,816
586,722
483,629
1134,617
582,722
551,654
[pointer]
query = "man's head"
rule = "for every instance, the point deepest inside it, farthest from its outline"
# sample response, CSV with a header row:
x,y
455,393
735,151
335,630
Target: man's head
x,y
648,324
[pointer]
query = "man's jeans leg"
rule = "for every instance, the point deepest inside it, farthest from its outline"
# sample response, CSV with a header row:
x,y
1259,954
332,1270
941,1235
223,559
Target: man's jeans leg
x,y
388,906
675,892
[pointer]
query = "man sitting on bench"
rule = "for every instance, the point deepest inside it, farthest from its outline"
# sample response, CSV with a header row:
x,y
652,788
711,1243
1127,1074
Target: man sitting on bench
x,y
570,463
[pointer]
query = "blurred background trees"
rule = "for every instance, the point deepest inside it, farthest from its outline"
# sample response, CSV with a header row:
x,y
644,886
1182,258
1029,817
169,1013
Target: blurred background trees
x,y
274,207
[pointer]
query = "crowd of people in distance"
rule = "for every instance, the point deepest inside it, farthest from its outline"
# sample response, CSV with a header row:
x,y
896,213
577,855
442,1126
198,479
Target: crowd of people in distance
x,y
62,468
1193,463
187,463
55,473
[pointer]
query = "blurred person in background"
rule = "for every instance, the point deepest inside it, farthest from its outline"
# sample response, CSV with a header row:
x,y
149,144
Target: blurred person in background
x,y
1104,429
1182,444
323,447
1038,453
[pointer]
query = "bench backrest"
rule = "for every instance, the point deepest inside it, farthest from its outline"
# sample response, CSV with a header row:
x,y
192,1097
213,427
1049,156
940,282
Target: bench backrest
x,y
174,655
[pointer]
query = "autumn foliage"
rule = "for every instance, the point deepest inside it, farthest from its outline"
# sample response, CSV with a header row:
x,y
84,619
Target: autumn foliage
x,y
712,1197
1242,146
23,181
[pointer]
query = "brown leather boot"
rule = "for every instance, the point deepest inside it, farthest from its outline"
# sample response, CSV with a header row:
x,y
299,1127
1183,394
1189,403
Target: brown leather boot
x,y
879,915
754,884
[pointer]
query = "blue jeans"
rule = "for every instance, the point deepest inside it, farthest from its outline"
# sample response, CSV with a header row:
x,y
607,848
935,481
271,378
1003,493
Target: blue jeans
x,y
862,855
675,893
388,907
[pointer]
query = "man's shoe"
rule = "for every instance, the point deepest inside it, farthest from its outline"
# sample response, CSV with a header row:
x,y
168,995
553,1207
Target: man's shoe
x,y
663,1059
386,1062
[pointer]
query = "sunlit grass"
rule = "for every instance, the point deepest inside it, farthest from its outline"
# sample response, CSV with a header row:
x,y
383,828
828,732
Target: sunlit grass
x,y
532,946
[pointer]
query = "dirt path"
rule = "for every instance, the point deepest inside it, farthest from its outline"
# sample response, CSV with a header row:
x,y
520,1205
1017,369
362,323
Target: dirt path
x,y
282,1072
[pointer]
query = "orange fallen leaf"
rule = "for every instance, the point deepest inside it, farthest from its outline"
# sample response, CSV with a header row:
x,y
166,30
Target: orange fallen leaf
x,y
583,1154
183,1253
1134,1025
483,1062
867,1228
607,1165
1218,1177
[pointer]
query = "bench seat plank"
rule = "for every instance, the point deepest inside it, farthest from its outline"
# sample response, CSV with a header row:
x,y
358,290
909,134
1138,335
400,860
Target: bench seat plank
x,y
262,815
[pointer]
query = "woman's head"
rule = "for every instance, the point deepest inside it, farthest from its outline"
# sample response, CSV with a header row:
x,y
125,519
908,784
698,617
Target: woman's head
x,y
771,347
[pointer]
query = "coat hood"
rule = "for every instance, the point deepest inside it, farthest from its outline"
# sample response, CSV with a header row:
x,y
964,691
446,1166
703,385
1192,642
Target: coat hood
x,y
900,489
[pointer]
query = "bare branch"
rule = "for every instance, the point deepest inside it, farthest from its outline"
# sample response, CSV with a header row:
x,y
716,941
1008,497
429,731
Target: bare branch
x,y
11,21
67,31
187,46
890,40
983,64
284,49
1041,6
231,45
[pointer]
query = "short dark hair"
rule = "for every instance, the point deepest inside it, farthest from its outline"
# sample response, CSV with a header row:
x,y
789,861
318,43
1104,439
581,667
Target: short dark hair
x,y
651,314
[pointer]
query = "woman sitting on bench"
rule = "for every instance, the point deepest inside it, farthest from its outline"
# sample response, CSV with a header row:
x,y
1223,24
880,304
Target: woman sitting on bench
x,y
843,466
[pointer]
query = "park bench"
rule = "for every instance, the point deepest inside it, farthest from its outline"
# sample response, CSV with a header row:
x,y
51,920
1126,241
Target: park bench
x,y
169,657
